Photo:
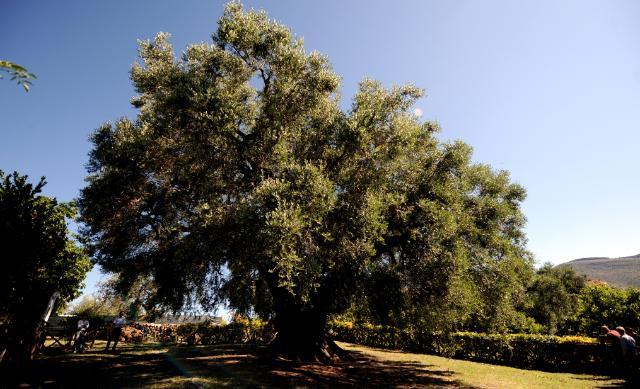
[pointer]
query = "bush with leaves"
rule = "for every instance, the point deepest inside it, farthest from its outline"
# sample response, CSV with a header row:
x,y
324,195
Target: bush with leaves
x,y
40,258
555,298
603,304
544,352
93,307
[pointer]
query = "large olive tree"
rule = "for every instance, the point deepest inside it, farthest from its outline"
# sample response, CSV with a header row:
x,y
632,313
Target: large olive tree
x,y
242,179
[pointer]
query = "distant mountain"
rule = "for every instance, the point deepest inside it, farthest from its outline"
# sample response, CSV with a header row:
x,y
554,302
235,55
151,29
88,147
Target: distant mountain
x,y
622,272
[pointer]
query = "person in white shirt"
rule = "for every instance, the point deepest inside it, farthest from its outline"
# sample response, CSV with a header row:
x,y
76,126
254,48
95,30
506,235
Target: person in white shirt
x,y
116,330
628,345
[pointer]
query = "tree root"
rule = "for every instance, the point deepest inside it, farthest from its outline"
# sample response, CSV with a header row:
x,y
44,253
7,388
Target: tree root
x,y
325,351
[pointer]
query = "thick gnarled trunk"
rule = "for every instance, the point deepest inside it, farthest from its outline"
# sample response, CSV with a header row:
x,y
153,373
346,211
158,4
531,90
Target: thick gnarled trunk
x,y
302,335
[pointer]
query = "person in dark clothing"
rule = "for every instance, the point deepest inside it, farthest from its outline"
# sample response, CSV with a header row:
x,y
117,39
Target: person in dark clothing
x,y
116,330
81,336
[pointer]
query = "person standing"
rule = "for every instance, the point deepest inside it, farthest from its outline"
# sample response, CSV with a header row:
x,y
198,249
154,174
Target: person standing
x,y
613,338
81,335
117,325
609,336
628,345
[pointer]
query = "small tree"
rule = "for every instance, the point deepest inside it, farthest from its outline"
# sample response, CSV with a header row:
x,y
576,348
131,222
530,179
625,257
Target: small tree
x,y
95,307
138,299
242,179
604,304
555,296
39,258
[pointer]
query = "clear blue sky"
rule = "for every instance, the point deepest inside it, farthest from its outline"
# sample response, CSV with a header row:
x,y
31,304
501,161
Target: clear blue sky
x,y
549,90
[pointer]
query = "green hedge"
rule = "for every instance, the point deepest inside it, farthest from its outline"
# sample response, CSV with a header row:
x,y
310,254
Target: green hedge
x,y
552,353
542,352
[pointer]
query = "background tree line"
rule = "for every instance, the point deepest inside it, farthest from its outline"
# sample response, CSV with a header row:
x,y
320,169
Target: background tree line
x,y
554,301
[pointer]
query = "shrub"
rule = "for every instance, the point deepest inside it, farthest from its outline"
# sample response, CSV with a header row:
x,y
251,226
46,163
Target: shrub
x,y
605,304
544,352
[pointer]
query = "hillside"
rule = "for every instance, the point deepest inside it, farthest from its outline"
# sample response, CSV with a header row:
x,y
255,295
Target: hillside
x,y
623,271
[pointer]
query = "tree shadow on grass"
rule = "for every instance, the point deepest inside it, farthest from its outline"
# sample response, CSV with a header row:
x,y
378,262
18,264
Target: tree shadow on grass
x,y
248,367
229,365
624,382
96,369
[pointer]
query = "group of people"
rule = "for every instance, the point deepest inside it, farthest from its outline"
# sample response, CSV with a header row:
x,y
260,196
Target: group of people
x,y
623,344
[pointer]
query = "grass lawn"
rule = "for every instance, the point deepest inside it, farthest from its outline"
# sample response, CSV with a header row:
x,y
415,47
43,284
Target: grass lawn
x,y
482,375
162,366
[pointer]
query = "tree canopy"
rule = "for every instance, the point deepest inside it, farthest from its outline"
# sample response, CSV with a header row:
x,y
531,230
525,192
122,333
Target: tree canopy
x,y
39,256
241,179
555,296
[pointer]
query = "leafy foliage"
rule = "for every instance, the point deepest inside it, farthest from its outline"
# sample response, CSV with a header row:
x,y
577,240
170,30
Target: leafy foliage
x,y
18,73
555,353
139,301
555,296
607,305
544,352
242,179
94,307
40,257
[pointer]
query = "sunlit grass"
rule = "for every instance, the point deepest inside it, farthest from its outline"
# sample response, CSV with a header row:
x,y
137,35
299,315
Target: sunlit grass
x,y
166,366
491,376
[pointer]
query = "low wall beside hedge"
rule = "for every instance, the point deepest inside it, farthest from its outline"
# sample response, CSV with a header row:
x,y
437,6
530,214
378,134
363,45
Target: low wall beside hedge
x,y
254,331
